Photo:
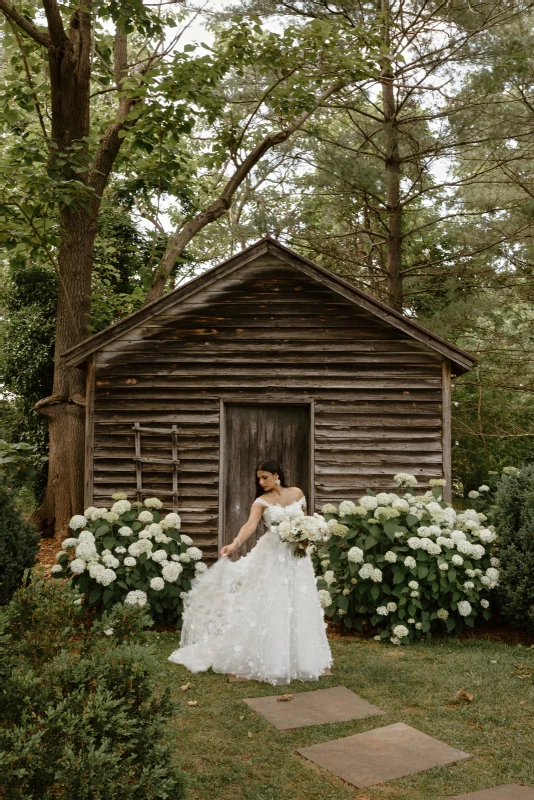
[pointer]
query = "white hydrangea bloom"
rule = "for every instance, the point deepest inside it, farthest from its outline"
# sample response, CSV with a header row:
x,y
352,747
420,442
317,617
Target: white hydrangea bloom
x,y
366,571
329,577
86,551
108,632
135,549
355,554
469,585
171,571
418,625
483,488
186,539
391,606
382,611
119,496
136,598
486,536
385,513
390,556
329,508
457,560
450,515
185,557
413,585
66,543
495,562
88,513
464,608
145,516
443,566
77,565
400,504
493,575
98,513
437,482
157,584
442,613
394,640
411,621
57,568
120,549
484,603
405,479
154,529
110,561
376,575
473,494
347,508
200,567
414,594
325,598
125,531
158,556
485,581
470,573
410,562
368,502
433,530
78,521
325,563
121,507
414,542
171,521
477,551
145,534
110,516
400,631
129,561
194,553
161,538
153,502
310,550
470,513
377,638
433,549
383,498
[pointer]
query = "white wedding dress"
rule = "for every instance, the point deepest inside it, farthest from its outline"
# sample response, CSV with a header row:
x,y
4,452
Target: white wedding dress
x,y
259,617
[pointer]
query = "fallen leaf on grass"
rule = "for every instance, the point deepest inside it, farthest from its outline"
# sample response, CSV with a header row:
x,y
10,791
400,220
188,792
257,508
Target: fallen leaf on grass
x,y
461,695
522,671
185,686
192,702
523,703
250,735
284,698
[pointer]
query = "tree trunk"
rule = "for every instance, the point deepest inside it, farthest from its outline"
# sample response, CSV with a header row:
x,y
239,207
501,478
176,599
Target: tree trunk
x,y
393,176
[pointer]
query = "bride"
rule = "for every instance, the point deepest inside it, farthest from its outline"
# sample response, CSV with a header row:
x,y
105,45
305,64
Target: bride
x,y
259,617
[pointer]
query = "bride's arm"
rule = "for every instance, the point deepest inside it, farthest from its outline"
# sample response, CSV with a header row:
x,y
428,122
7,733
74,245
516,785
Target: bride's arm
x,y
245,531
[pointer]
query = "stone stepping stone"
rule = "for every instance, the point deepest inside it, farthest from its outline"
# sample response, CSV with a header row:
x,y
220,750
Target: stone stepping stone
x,y
235,679
313,708
382,754
512,791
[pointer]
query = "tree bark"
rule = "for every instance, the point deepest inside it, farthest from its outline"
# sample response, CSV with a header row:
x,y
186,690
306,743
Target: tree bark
x,y
393,175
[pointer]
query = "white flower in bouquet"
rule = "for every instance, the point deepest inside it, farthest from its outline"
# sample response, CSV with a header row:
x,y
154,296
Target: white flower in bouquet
x,y
195,553
277,514
157,584
121,507
382,610
400,504
486,536
171,521
200,567
483,488
329,577
437,482
484,603
390,556
442,613
310,550
66,543
400,631
129,561
186,539
391,606
457,560
418,625
464,608
153,502
136,598
77,565
145,516
88,513
405,479
125,531
469,585
111,561
171,572
329,508
410,562
383,498
56,568
158,556
78,521
495,562
355,555
86,551
368,502
366,571
325,598
347,508
473,494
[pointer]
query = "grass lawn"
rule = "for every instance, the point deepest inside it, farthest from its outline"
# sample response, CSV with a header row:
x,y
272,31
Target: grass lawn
x,y
416,685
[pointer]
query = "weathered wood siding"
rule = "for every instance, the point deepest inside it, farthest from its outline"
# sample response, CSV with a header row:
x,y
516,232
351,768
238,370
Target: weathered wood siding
x,y
269,333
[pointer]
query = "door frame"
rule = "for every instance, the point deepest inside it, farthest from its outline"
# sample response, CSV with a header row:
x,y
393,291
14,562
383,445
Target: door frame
x,y
222,447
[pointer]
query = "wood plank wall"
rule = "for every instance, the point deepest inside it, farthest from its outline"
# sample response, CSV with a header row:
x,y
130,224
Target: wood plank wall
x,y
273,334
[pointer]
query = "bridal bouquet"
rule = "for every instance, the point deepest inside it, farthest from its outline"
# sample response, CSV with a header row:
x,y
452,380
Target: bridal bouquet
x,y
301,530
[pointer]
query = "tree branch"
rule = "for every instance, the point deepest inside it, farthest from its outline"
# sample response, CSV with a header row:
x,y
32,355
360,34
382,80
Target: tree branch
x,y
24,24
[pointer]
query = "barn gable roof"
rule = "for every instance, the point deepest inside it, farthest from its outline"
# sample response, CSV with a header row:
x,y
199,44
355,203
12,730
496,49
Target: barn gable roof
x,y
461,359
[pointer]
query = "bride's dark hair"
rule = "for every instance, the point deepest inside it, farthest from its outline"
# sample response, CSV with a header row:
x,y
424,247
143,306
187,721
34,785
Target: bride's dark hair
x,y
269,465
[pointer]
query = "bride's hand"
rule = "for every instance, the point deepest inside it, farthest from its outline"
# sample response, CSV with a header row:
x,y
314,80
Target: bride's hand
x,y
228,549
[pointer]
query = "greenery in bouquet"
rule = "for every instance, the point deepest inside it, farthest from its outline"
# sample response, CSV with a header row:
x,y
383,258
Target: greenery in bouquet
x,y
130,554
405,565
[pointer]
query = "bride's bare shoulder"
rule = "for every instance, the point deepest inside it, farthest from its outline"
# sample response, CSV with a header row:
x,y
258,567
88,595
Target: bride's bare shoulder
x,y
299,494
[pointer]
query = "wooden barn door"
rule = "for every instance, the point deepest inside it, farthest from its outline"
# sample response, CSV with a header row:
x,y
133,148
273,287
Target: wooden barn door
x,y
253,432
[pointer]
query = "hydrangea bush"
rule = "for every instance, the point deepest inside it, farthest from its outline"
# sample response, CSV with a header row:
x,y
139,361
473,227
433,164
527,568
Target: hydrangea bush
x,y
405,564
484,498
130,554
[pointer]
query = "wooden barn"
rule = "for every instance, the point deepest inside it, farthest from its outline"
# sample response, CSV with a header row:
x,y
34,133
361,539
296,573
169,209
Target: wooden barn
x,y
265,355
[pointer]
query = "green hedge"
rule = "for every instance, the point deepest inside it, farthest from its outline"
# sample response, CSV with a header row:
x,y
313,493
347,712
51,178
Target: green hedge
x,y
19,545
